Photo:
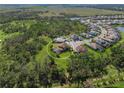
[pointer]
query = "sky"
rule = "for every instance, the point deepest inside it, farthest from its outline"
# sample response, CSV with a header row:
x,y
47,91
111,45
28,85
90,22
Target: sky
x,y
61,1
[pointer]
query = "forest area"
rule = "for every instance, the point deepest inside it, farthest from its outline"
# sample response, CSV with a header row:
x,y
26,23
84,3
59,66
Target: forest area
x,y
24,62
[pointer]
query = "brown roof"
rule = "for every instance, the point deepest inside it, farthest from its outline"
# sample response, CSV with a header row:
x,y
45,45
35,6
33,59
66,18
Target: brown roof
x,y
62,45
80,48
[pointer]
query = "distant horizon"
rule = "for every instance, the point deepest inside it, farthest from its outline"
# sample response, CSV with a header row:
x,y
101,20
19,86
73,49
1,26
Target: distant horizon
x,y
13,6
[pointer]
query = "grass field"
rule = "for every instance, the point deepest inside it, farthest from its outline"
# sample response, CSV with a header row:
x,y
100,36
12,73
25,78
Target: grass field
x,y
78,11
43,53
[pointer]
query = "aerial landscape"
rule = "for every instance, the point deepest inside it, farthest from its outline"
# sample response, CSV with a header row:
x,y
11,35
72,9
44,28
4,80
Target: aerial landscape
x,y
62,46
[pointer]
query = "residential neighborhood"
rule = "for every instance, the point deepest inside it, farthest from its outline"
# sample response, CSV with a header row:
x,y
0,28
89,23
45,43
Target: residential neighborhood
x,y
99,35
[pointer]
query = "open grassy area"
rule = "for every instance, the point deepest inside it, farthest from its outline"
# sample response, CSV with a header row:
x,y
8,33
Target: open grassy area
x,y
77,11
38,7
43,53
65,54
40,57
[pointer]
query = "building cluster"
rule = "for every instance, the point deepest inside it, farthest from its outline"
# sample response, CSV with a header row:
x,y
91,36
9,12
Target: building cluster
x,y
92,31
99,35
72,42
99,17
60,47
108,37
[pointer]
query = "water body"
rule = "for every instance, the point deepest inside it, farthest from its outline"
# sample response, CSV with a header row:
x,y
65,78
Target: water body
x,y
120,28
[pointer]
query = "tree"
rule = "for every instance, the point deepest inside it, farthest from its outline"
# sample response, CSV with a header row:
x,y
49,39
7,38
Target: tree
x,y
118,56
79,69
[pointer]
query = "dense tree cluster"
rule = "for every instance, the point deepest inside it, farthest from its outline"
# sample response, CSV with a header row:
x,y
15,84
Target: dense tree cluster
x,y
19,14
10,28
14,74
82,68
20,68
118,56
54,28
29,41
22,49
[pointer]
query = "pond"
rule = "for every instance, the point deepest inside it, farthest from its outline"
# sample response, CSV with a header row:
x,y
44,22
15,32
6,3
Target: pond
x,y
120,28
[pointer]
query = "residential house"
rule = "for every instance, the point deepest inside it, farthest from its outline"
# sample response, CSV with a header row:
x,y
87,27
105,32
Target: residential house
x,y
59,40
80,49
96,46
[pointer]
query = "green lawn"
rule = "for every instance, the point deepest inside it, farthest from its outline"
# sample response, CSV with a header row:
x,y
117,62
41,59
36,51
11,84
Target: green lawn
x,y
42,54
65,54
